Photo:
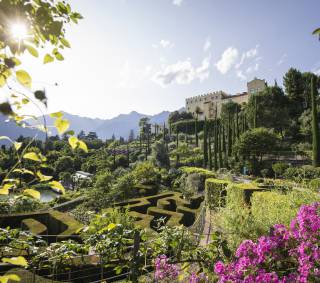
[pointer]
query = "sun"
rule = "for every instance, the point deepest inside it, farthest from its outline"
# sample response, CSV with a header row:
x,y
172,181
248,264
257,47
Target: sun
x,y
19,31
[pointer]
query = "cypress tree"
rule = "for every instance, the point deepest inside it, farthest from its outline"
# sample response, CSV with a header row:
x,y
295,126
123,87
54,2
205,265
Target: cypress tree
x,y
177,146
215,129
224,147
315,126
196,131
237,123
219,136
229,136
205,144
209,150
255,112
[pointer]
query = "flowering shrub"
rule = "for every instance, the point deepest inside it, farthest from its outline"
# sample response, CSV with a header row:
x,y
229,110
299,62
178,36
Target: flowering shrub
x,y
165,271
286,255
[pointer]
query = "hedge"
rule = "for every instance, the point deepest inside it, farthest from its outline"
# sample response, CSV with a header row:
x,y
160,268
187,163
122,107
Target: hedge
x,y
216,192
57,223
240,194
171,206
269,208
191,170
33,226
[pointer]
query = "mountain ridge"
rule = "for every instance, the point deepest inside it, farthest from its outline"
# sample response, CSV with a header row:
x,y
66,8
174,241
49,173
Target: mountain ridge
x,y
119,126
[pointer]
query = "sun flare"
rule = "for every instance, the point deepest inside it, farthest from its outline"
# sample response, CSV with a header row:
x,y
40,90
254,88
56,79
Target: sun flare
x,y
19,31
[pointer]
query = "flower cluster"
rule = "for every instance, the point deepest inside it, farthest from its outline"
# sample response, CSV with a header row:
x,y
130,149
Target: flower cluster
x,y
286,255
198,278
165,270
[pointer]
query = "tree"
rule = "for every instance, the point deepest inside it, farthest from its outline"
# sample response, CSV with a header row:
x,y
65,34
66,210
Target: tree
x,y
269,109
294,87
160,155
131,136
254,144
176,116
315,126
64,164
104,181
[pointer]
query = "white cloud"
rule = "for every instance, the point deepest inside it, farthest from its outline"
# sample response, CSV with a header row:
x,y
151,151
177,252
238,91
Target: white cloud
x,y
182,72
241,75
251,53
177,2
252,68
282,59
165,44
207,45
228,59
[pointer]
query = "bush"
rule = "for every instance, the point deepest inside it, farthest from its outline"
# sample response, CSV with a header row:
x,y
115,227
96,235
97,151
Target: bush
x,y
239,221
279,168
315,185
146,173
216,192
285,255
301,173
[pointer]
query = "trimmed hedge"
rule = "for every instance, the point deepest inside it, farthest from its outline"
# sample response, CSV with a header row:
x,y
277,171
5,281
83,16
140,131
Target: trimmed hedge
x,y
240,194
56,223
170,206
216,192
269,208
191,170
33,226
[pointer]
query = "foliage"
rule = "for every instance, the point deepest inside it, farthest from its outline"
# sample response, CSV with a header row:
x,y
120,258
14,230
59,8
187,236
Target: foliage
x,y
279,168
216,192
145,173
160,155
286,255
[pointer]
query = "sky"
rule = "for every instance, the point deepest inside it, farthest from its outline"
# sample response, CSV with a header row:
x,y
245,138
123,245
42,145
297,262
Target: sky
x,y
149,55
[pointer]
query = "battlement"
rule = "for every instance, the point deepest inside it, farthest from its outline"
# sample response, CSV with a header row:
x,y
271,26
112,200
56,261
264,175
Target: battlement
x,y
207,95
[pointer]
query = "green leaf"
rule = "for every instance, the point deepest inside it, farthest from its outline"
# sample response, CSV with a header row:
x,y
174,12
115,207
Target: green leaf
x,y
76,143
316,31
23,171
43,178
4,190
24,78
83,146
47,59
5,108
65,42
32,51
32,193
59,56
17,145
73,141
25,100
62,125
20,260
41,95
3,81
56,114
32,156
111,226
6,278
56,185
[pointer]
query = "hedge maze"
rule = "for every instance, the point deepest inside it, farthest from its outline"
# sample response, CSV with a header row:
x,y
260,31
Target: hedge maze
x,y
171,207
56,225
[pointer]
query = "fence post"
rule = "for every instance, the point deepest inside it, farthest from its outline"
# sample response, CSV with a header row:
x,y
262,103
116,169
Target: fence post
x,y
135,259
101,267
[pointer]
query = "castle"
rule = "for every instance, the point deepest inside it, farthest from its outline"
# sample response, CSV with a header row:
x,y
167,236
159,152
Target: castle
x,y
209,105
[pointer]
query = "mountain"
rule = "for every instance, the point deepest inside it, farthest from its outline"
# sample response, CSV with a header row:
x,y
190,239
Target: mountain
x,y
12,130
105,128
